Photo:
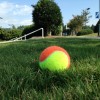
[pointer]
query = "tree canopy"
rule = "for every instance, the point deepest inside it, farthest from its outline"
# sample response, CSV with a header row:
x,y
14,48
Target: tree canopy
x,y
85,16
78,21
47,14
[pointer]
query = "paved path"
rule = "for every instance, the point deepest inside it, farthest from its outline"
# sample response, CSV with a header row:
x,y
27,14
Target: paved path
x,y
87,37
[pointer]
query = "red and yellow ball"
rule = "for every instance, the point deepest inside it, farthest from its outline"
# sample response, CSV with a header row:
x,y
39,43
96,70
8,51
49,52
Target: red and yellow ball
x,y
54,58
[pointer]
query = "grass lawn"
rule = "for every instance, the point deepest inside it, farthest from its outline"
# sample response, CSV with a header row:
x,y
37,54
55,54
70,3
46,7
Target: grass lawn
x,y
92,35
21,78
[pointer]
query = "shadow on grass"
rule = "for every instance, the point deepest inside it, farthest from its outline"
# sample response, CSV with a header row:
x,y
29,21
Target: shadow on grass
x,y
45,80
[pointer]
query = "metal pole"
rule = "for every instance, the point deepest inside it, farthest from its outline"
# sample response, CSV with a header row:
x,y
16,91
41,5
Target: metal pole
x,y
42,32
99,19
25,37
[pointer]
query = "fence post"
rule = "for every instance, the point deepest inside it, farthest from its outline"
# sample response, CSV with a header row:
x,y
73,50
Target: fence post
x,y
42,32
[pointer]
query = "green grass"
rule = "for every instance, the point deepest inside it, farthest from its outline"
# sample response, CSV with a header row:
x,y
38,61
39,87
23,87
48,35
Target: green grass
x,y
93,34
22,79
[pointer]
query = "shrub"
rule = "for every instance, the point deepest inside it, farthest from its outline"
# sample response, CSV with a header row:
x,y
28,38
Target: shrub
x,y
85,32
28,29
31,28
7,34
1,32
16,33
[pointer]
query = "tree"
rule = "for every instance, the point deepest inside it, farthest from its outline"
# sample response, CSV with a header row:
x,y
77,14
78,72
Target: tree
x,y
85,16
76,24
92,27
12,26
47,14
96,29
21,27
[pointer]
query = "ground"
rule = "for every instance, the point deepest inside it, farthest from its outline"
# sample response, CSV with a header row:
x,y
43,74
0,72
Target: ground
x,y
22,78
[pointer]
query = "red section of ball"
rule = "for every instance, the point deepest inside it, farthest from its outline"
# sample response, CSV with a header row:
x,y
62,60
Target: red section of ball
x,y
50,50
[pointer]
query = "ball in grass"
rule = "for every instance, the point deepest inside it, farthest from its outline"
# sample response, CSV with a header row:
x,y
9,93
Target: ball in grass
x,y
54,58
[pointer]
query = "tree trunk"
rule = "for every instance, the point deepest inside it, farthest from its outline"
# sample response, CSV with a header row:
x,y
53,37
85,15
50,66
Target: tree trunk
x,y
49,33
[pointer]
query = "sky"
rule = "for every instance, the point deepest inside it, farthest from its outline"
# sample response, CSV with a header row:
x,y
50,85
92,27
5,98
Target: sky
x,y
19,12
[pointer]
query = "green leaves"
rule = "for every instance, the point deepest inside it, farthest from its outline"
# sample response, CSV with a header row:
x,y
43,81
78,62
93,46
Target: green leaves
x,y
79,21
47,14
6,34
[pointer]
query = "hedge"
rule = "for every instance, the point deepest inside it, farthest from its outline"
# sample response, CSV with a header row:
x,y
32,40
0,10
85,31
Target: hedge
x,y
85,32
7,34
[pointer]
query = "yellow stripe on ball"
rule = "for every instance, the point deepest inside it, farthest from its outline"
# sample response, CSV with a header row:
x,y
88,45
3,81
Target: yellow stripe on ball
x,y
57,61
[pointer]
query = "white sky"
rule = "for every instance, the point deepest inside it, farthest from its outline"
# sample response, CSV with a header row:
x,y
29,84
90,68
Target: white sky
x,y
15,14
19,12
